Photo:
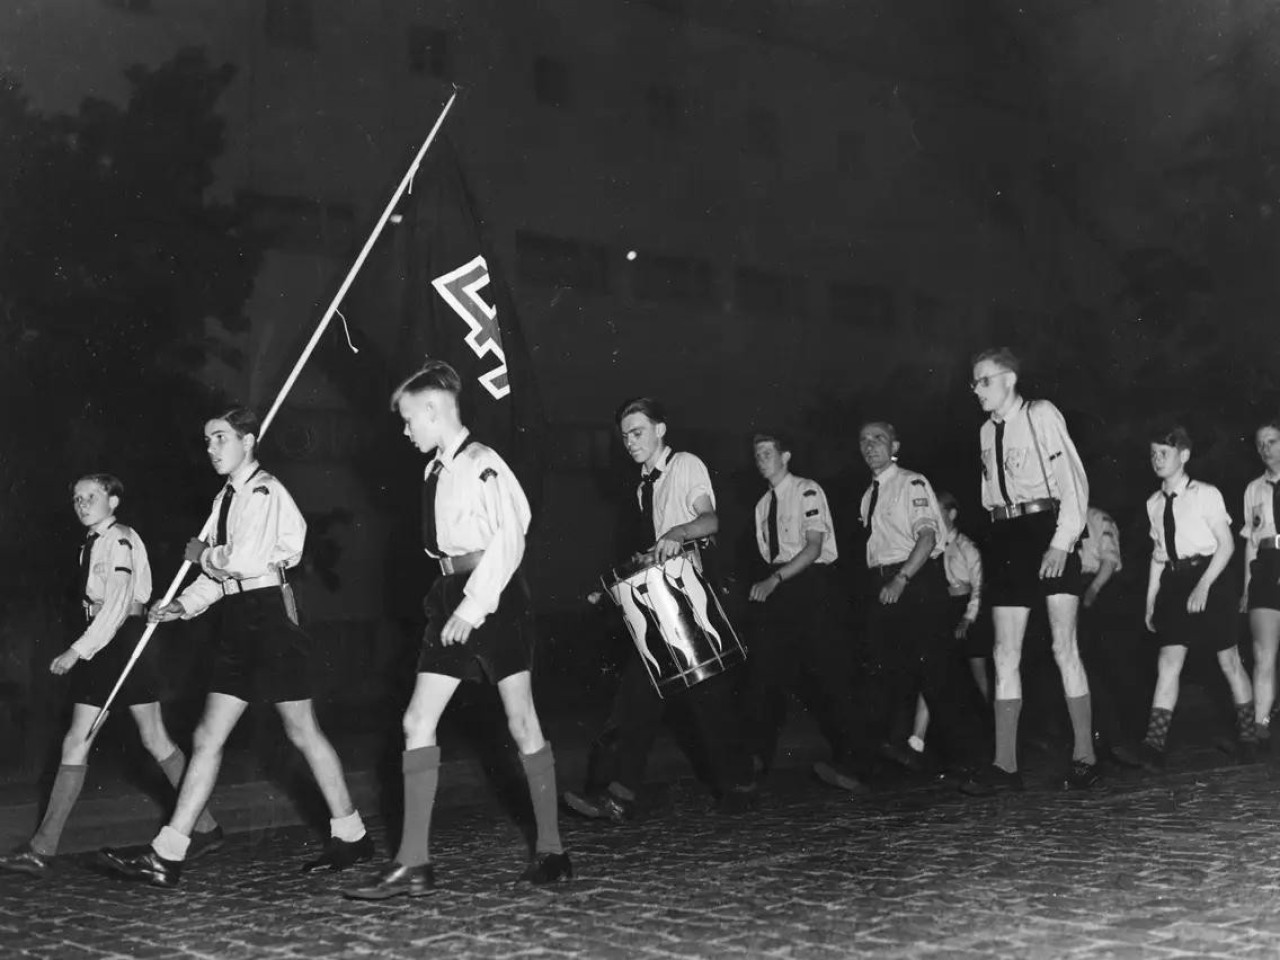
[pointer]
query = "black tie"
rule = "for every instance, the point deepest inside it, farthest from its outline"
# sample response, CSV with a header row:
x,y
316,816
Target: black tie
x,y
646,498
224,512
1275,505
875,498
1170,529
773,526
1004,490
430,540
86,564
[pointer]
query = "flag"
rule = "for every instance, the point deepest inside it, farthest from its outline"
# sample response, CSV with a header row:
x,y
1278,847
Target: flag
x,y
434,289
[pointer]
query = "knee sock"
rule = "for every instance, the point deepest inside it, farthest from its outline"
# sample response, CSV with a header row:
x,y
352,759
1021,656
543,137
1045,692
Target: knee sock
x,y
421,778
1158,728
66,790
1081,711
174,766
1007,712
1246,731
540,771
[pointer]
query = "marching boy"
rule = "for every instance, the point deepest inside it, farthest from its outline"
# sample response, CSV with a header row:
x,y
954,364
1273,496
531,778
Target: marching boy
x,y
474,520
115,584
1189,602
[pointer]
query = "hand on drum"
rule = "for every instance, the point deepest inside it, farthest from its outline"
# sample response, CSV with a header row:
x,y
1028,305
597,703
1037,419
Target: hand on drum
x,y
667,548
761,590
456,630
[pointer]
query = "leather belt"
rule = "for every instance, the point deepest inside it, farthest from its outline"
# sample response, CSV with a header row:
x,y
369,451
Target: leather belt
x,y
232,586
1023,509
1269,543
1189,563
464,563
962,590
136,609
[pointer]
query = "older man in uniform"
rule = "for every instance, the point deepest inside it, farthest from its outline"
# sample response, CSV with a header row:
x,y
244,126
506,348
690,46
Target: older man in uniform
x,y
795,616
677,507
908,633
1034,486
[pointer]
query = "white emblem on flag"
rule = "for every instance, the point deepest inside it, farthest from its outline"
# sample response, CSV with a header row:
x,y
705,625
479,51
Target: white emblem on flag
x,y
461,290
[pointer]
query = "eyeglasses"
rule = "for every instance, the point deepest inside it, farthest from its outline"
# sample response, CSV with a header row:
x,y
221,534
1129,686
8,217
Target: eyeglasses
x,y
985,382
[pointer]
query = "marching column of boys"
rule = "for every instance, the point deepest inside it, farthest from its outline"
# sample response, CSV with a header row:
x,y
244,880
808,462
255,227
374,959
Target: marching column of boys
x,y
479,627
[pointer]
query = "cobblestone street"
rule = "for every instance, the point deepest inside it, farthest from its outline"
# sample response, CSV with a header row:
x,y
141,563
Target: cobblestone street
x,y
1185,865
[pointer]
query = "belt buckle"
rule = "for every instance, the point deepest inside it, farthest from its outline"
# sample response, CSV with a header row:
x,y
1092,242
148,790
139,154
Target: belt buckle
x,y
446,566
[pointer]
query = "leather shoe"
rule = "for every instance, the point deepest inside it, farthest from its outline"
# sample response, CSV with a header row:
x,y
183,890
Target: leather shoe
x,y
340,854
603,805
902,756
839,776
1082,776
990,780
548,868
737,800
142,864
25,860
205,842
396,880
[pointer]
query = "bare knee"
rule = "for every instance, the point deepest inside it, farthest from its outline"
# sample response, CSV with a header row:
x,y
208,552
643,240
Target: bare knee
x,y
207,742
419,727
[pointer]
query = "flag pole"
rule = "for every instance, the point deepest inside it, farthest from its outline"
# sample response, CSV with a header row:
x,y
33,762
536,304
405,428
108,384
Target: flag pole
x,y
207,529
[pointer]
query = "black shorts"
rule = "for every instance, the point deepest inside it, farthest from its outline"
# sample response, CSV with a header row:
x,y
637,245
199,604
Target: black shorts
x,y
261,656
93,680
1214,628
1264,581
1012,560
497,649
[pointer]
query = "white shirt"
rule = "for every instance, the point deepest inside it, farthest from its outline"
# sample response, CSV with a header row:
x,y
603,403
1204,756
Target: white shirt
x,y
119,576
1100,542
802,508
905,508
1196,506
265,534
1037,466
1259,521
684,478
480,506
963,565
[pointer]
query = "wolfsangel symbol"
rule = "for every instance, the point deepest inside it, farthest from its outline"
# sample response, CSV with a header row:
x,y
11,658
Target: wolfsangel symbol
x,y
461,290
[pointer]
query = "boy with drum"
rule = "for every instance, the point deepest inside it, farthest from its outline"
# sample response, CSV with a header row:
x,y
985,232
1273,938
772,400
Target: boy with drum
x,y
474,520
677,505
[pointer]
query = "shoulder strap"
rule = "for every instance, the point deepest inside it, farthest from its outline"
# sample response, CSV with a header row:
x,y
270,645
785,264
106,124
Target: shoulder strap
x,y
1031,425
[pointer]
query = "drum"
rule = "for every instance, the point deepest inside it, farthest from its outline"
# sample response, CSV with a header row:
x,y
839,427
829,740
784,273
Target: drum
x,y
675,618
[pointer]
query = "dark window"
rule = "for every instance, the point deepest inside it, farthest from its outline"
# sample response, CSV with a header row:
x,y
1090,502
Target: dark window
x,y
666,108
850,155
429,51
673,278
289,23
300,224
763,294
551,82
763,136
862,305
555,262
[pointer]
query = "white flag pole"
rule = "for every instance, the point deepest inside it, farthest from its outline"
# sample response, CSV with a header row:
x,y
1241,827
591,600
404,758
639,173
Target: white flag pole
x,y
207,529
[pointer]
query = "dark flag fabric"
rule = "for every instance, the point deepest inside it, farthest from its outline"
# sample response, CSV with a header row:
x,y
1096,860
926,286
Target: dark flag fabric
x,y
434,289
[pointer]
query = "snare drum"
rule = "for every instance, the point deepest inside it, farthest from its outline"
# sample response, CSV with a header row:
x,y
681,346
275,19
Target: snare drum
x,y
675,618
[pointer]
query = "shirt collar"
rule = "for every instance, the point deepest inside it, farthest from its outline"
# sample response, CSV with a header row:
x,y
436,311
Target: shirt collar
x,y
1180,488
663,460
446,455
1017,408
888,473
98,529
240,476
784,483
